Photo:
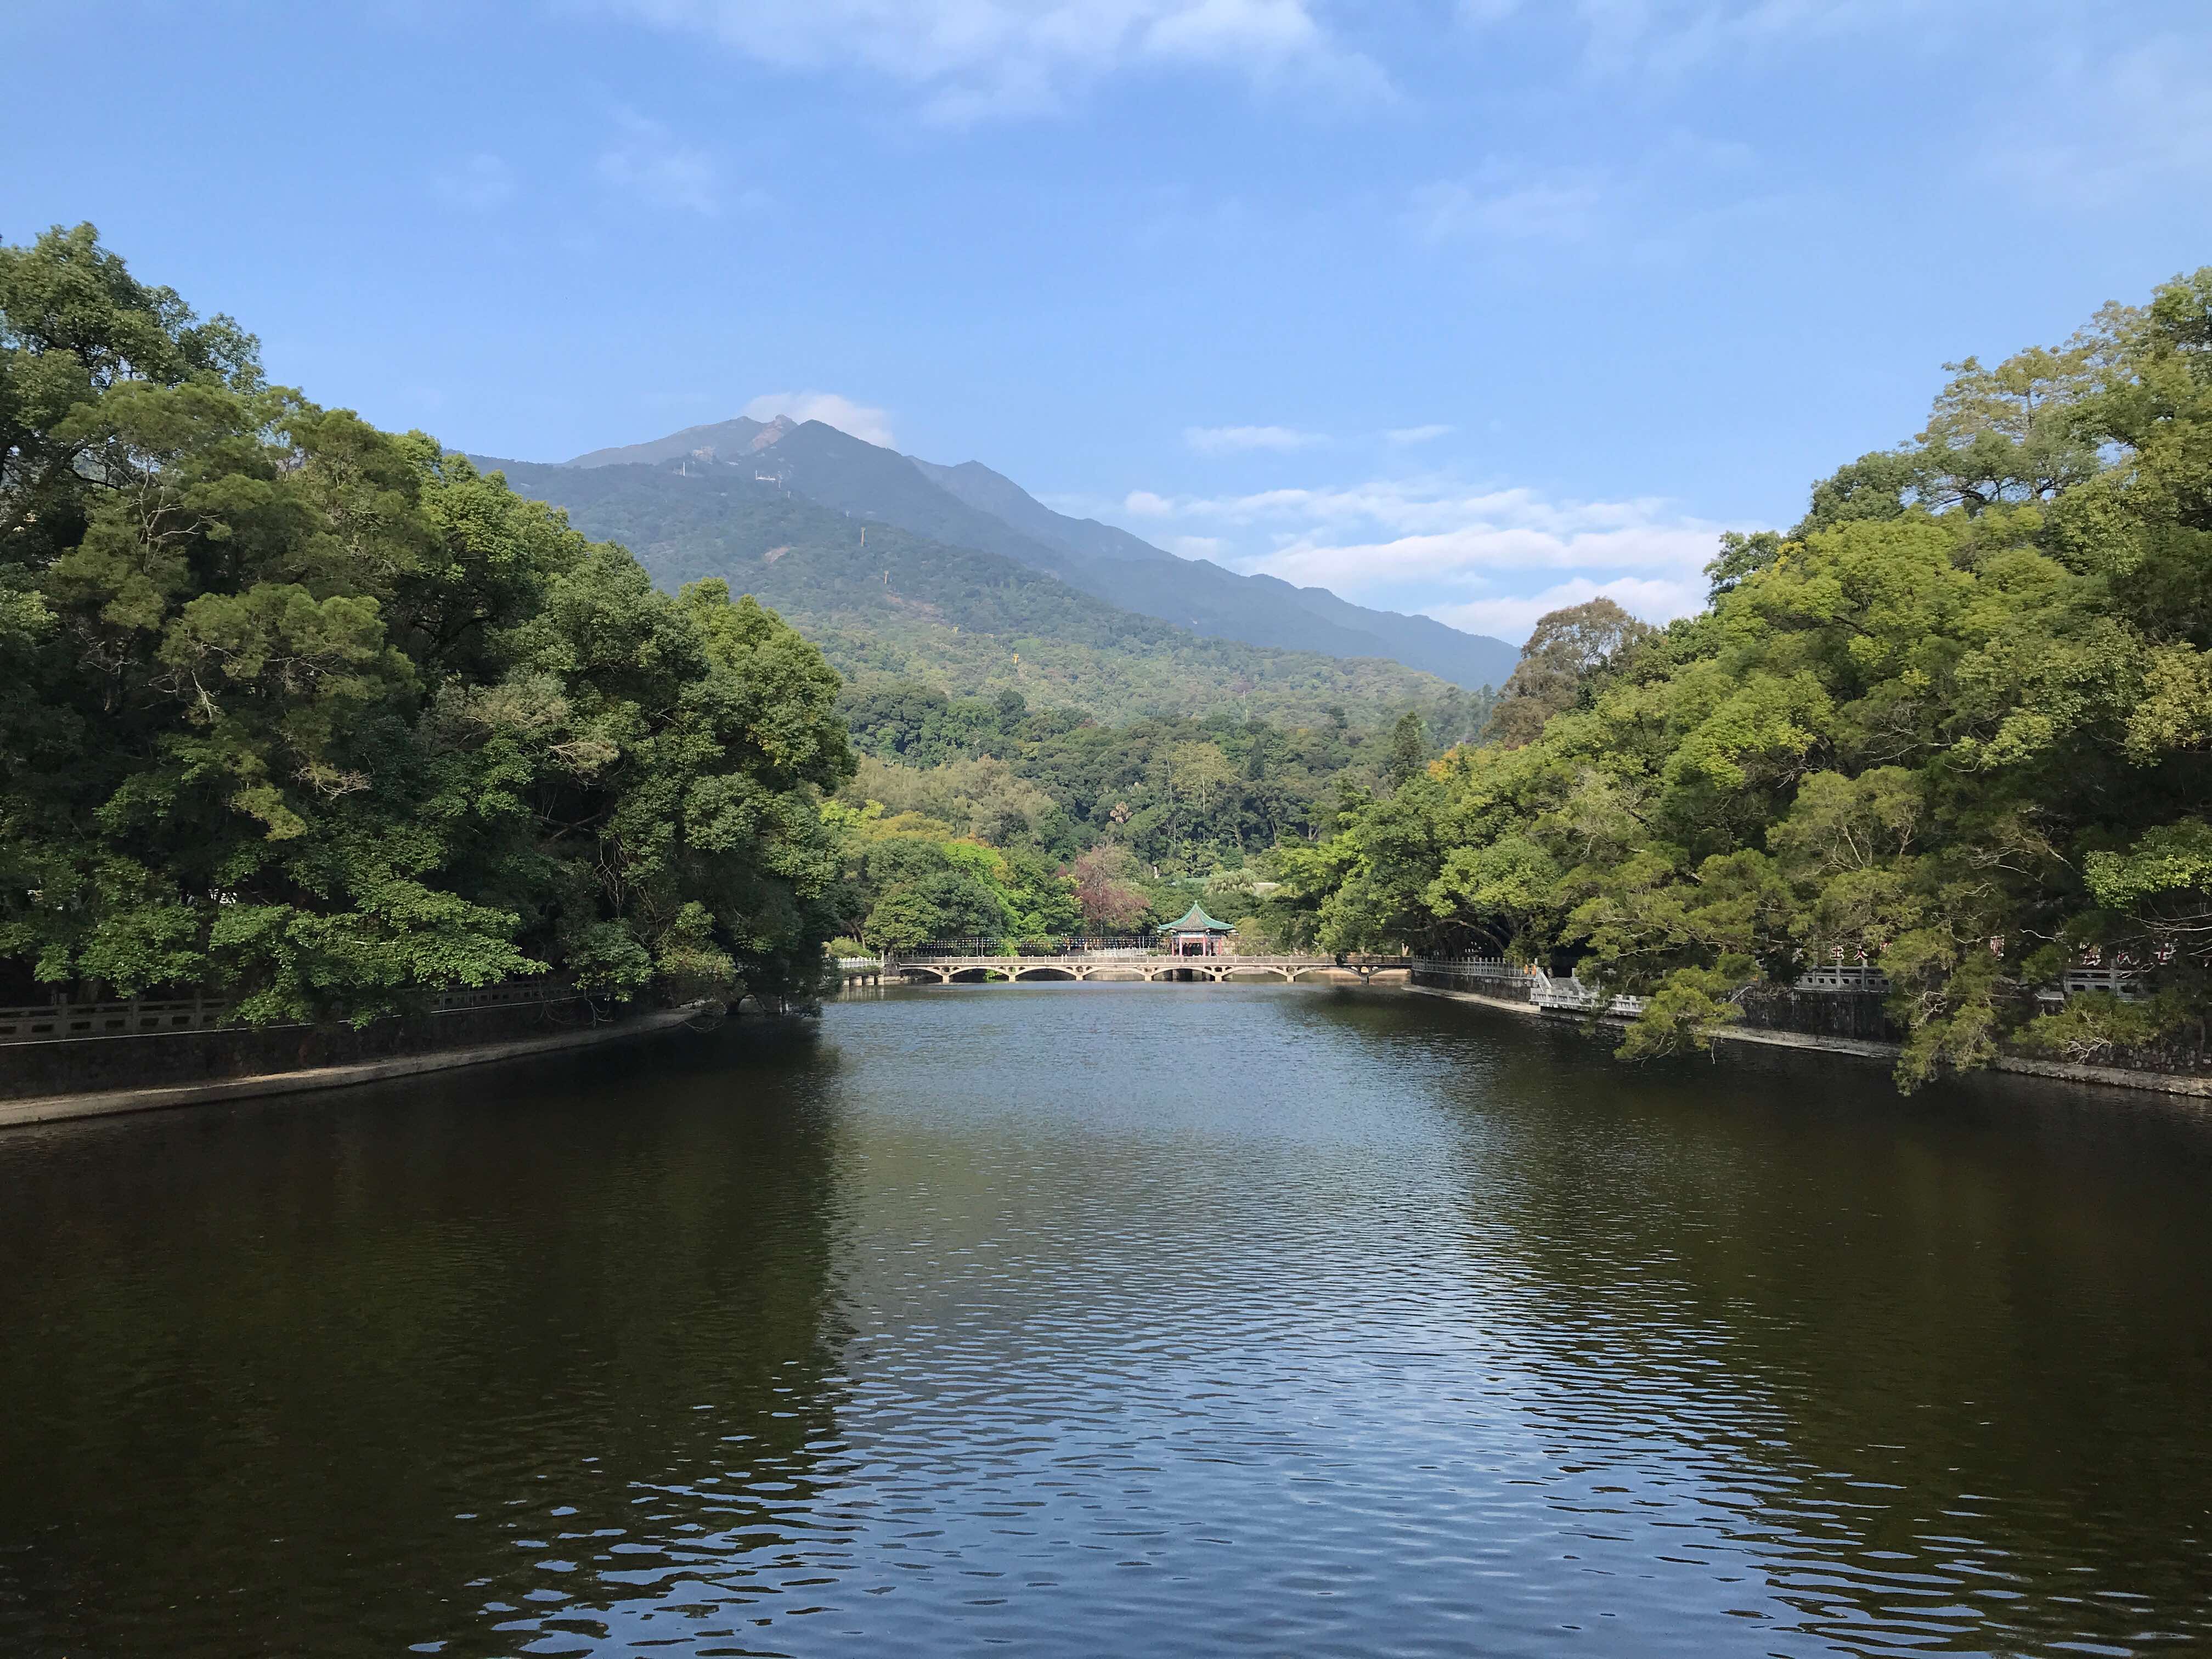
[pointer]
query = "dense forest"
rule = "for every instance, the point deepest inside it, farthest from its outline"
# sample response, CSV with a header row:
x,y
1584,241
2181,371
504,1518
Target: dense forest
x,y
1956,723
320,719
1138,819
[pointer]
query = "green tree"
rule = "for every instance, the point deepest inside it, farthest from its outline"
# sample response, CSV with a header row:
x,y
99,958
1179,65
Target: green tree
x,y
322,719
1567,653
1409,749
902,918
1957,724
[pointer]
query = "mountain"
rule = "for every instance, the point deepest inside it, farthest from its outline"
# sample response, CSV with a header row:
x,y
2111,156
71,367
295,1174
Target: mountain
x,y
971,506
837,469
1002,498
1210,599
885,603
727,441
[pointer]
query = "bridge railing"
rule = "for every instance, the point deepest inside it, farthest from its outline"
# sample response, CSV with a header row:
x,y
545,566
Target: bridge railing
x,y
61,1020
1122,944
1487,968
1573,995
1842,976
1492,976
1519,981
2124,984
1061,946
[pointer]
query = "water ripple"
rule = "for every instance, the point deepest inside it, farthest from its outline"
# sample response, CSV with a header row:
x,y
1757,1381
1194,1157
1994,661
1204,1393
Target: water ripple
x,y
1169,1320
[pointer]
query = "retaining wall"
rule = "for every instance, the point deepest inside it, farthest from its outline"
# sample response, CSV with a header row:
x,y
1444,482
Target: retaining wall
x,y
1856,1014
1497,988
156,1059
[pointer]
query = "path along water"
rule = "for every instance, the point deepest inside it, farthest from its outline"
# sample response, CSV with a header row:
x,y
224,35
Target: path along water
x,y
1149,1320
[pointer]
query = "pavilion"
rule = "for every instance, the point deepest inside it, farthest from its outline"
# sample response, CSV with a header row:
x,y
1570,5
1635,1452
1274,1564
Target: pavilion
x,y
1196,934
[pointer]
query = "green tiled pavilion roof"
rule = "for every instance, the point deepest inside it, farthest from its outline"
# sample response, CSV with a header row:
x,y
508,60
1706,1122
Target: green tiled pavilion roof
x,y
1195,920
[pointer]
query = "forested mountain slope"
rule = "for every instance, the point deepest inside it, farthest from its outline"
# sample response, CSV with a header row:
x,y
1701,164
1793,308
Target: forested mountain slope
x,y
1209,599
971,506
885,603
974,817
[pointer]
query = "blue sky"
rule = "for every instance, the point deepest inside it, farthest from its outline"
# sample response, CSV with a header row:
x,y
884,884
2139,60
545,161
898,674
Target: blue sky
x,y
1473,306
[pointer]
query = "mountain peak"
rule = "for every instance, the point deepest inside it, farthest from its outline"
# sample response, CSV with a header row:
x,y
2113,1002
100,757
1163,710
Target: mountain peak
x,y
722,440
971,506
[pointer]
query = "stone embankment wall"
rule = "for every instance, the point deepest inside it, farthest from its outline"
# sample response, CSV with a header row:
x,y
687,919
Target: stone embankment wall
x,y
1862,1016
166,1059
1832,1021
1498,987
1857,1014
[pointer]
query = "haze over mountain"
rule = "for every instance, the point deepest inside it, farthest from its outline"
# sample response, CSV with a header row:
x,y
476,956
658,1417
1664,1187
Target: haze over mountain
x,y
886,603
971,506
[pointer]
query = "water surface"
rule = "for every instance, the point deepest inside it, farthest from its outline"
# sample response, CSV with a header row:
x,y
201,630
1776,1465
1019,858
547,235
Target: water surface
x,y
1142,1319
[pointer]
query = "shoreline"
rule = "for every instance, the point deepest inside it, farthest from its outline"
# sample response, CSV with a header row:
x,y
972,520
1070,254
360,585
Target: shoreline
x,y
110,1102
2109,1077
64,1107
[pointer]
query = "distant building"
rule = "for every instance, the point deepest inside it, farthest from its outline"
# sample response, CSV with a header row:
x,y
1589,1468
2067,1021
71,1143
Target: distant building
x,y
1195,934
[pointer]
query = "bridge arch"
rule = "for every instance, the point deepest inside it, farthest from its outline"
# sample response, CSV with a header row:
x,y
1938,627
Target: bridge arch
x,y
1106,967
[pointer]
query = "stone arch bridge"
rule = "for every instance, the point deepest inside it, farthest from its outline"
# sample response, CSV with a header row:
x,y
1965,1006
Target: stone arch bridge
x,y
1082,969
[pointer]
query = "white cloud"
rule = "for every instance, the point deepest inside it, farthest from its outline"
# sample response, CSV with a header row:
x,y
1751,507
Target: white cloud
x,y
1411,507
2133,124
1480,552
650,163
1405,435
869,425
1486,558
1236,440
975,59
1198,547
1670,187
1499,202
479,181
1222,31
1513,619
1649,37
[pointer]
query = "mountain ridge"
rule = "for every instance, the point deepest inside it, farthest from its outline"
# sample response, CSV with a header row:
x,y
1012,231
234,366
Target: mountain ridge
x,y
970,505
718,439
888,605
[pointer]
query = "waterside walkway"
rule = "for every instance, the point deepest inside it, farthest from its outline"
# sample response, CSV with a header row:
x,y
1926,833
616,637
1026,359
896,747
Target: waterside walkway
x,y
1499,998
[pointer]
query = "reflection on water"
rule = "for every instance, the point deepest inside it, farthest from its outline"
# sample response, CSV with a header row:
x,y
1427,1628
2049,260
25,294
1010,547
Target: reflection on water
x,y
1131,1319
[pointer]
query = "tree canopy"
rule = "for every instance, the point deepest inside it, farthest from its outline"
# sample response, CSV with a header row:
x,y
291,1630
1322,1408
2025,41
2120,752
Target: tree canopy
x,y
1185,797
1564,660
321,718
1955,723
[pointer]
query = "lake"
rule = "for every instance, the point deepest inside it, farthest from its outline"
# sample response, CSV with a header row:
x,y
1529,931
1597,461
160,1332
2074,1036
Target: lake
x,y
1114,1320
